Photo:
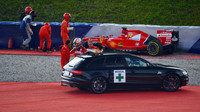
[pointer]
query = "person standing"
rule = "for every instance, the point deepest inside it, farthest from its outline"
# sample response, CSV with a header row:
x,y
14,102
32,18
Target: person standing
x,y
26,29
45,33
64,27
65,54
91,46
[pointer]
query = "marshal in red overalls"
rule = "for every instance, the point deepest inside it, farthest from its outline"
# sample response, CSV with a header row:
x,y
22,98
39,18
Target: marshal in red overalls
x,y
45,32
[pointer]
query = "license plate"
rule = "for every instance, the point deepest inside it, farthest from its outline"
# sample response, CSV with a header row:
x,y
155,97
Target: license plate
x,y
66,73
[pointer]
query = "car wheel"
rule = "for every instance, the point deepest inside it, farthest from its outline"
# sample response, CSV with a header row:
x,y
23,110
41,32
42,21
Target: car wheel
x,y
154,48
171,83
98,85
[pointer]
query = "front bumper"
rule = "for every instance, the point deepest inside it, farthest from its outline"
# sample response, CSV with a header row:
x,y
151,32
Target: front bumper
x,y
185,81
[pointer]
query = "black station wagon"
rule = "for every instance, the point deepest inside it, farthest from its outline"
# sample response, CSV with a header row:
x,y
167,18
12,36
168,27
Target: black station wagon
x,y
115,71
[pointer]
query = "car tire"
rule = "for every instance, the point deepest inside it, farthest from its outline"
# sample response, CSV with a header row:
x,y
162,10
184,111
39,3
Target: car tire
x,y
154,48
98,85
171,83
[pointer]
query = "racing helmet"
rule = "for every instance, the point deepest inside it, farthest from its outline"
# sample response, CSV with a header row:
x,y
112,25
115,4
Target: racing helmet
x,y
77,42
67,16
28,9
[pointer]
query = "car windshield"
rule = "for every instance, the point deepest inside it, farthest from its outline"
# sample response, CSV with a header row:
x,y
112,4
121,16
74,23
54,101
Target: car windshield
x,y
75,62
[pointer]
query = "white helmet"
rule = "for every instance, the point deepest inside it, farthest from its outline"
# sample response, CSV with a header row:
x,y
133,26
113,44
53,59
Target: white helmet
x,y
77,42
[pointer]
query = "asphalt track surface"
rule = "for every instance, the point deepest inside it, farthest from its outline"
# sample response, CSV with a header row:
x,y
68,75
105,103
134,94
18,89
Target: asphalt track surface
x,y
29,82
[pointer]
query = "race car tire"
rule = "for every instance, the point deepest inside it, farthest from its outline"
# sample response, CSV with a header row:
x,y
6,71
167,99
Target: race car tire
x,y
98,85
171,83
154,48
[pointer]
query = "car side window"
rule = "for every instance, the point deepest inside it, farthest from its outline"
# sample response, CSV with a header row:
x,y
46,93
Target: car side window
x,y
97,63
115,62
135,62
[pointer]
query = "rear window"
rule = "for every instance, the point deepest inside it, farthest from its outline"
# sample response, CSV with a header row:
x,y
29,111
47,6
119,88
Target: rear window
x,y
75,62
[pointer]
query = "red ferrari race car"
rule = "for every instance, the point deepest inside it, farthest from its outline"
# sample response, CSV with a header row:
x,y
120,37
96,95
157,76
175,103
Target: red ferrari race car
x,y
138,41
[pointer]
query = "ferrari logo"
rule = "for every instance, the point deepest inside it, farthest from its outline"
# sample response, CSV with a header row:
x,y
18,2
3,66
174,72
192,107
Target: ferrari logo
x,y
130,34
101,40
119,76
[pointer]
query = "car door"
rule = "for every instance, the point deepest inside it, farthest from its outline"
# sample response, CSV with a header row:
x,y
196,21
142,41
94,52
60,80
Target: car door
x,y
140,71
116,70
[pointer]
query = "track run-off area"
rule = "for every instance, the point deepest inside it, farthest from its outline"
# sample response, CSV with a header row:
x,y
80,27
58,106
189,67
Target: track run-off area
x,y
51,97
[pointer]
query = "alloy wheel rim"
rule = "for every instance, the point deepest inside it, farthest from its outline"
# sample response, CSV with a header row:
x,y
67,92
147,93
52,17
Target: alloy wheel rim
x,y
171,82
153,49
99,84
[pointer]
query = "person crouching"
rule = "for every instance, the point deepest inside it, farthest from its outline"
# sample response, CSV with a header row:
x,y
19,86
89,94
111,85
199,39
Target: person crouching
x,y
45,33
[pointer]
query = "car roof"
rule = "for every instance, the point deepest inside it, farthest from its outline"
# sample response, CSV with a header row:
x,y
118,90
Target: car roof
x,y
107,54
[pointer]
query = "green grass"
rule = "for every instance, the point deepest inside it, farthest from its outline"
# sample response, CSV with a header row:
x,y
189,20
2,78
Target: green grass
x,y
154,12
